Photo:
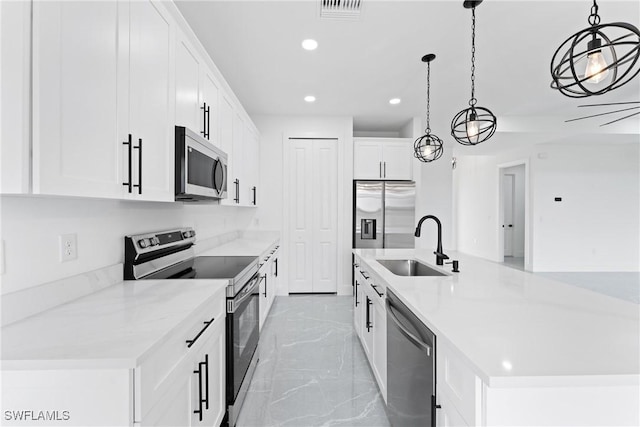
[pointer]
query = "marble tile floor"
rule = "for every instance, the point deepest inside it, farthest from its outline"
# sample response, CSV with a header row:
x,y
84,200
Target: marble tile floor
x,y
312,369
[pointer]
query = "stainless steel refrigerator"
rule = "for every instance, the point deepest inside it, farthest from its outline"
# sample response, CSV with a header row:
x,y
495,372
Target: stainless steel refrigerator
x,y
384,214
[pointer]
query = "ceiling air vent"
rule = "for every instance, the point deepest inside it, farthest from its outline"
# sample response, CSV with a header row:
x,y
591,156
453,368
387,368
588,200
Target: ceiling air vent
x,y
340,9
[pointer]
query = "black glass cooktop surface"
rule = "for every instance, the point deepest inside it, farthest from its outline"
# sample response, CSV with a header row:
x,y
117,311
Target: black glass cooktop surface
x,y
209,267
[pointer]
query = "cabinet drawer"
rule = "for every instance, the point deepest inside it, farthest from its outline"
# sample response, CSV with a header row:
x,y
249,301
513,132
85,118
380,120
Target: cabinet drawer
x,y
458,384
171,360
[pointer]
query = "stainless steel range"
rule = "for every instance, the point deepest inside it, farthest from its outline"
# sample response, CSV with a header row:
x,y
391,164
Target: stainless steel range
x,y
169,255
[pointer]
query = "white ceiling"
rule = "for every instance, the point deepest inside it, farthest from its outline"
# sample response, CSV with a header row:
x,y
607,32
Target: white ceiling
x,y
359,65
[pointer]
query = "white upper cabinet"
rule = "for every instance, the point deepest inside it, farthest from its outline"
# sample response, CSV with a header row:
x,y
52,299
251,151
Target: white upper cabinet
x,y
151,98
187,85
382,158
197,92
77,87
102,83
15,42
110,81
209,105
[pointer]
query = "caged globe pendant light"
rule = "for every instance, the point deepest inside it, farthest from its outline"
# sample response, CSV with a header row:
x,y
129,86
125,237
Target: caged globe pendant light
x,y
597,59
473,125
428,147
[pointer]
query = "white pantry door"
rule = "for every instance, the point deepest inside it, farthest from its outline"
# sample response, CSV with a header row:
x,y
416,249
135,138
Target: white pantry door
x,y
313,215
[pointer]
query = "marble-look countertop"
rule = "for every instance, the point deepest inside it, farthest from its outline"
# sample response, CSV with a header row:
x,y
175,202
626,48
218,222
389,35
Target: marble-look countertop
x,y
518,329
117,327
250,244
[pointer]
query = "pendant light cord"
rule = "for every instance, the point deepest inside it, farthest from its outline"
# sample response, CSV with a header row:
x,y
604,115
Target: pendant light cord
x,y
594,18
473,100
428,129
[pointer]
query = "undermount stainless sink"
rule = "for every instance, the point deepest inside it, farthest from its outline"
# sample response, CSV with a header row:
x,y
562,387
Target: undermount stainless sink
x,y
409,267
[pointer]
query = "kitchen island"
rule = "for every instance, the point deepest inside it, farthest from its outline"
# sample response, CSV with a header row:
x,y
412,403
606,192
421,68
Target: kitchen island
x,y
514,348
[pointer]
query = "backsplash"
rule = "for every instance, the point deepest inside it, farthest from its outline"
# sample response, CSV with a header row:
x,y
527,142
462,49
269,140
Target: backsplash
x,y
31,226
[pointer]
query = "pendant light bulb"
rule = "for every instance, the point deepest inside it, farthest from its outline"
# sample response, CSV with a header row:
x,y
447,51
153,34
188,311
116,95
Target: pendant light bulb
x,y
596,69
428,150
473,126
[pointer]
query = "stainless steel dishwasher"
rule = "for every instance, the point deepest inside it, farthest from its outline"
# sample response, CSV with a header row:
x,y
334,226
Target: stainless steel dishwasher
x,y
411,367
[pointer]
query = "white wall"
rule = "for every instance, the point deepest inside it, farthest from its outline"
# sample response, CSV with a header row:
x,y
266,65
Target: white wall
x,y
30,226
594,228
434,189
273,130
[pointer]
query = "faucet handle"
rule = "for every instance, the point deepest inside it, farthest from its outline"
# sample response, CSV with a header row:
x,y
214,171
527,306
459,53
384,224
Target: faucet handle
x,y
441,255
455,263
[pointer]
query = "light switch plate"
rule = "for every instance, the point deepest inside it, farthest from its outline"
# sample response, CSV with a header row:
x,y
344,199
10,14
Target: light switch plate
x,y
68,247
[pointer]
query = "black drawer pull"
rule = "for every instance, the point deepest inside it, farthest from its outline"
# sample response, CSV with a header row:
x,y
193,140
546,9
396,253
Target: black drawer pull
x,y
193,341
375,288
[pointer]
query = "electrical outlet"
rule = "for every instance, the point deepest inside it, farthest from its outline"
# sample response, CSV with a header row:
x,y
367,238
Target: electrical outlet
x,y
68,247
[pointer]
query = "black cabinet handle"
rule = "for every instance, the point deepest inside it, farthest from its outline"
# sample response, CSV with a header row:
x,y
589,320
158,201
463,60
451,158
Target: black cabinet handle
x,y
193,341
368,322
129,183
237,184
206,380
199,410
364,274
385,169
375,288
206,123
139,148
276,263
254,195
356,290
264,277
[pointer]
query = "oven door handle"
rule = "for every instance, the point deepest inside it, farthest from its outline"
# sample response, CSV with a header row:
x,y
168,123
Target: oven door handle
x,y
247,291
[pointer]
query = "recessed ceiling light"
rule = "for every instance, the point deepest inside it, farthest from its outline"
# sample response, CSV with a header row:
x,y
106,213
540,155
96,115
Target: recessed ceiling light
x,y
309,44
394,101
310,98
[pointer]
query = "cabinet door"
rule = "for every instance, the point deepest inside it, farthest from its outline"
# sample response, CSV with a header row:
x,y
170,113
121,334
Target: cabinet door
x,y
238,161
15,45
367,160
173,409
251,165
397,160
188,65
209,98
380,344
151,96
208,403
79,97
357,305
226,144
263,299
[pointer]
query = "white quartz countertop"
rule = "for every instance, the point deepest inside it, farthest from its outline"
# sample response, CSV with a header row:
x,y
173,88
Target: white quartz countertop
x,y
251,244
517,328
117,327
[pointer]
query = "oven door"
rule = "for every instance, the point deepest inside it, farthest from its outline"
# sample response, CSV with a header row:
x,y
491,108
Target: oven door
x,y
242,335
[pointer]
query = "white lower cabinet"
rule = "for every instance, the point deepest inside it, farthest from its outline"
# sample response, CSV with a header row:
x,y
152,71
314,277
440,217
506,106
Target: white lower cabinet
x,y
370,323
269,282
176,385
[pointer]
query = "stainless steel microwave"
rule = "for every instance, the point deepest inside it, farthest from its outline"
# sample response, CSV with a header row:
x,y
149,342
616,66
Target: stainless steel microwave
x,y
201,168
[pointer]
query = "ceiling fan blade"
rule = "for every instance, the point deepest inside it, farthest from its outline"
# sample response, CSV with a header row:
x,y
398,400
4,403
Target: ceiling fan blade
x,y
621,118
603,114
611,103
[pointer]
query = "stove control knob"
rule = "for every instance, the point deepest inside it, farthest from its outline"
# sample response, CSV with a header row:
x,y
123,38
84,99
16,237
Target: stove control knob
x,y
155,241
185,234
143,243
193,233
